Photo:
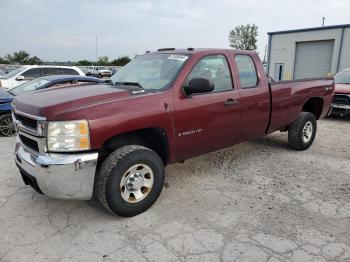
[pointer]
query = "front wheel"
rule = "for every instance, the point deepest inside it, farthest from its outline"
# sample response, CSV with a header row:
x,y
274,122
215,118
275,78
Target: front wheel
x,y
130,180
7,128
302,132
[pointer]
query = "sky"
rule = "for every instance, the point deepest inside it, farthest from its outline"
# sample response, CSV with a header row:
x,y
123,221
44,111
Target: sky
x,y
66,30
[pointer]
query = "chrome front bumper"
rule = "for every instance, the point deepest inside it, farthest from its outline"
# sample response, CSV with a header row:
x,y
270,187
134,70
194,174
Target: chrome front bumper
x,y
339,110
340,106
62,176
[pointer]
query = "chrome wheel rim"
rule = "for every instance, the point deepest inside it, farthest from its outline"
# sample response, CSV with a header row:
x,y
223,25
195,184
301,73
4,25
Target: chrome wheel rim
x,y
307,132
7,128
136,183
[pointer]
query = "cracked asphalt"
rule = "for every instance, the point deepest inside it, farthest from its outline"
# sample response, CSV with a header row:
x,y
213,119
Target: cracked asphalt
x,y
257,201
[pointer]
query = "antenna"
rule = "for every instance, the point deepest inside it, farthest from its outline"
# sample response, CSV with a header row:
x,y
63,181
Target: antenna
x,y
96,48
323,21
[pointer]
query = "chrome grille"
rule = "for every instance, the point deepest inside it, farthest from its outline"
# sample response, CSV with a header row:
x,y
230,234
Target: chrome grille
x,y
30,143
341,99
30,131
26,121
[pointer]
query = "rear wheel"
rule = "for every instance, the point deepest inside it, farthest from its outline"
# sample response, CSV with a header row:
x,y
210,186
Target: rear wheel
x,y
7,128
130,180
302,132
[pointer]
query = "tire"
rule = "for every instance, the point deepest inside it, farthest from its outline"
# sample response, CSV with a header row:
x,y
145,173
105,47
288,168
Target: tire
x,y
302,132
114,171
7,127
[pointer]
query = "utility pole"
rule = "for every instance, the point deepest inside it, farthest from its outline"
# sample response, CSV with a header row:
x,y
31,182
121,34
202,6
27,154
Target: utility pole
x,y
96,48
323,20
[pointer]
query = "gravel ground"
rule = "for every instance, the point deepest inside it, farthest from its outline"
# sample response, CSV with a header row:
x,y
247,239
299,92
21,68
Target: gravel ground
x,y
257,201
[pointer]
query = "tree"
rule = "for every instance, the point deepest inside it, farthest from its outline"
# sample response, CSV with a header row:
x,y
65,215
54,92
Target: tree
x,y
35,60
120,61
21,57
84,63
244,37
103,61
3,61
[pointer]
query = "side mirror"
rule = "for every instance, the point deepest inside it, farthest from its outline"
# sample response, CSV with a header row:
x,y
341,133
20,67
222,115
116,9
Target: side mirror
x,y
20,78
198,85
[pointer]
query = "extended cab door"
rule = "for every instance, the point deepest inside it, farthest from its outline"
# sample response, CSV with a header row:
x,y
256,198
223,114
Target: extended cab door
x,y
208,121
255,96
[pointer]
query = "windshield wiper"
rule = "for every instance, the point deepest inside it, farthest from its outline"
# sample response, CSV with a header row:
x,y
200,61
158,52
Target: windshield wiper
x,y
129,84
343,83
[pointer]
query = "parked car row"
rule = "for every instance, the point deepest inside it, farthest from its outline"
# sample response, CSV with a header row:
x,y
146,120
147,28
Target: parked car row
x,y
7,127
27,73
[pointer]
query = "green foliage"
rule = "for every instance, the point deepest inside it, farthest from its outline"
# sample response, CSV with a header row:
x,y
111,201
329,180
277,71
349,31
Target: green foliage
x,y
120,61
103,61
21,57
84,63
3,61
244,37
35,61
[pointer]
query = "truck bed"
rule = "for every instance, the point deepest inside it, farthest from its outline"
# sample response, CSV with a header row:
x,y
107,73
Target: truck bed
x,y
289,97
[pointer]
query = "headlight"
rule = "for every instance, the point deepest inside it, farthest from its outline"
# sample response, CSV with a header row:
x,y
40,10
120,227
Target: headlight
x,y
63,136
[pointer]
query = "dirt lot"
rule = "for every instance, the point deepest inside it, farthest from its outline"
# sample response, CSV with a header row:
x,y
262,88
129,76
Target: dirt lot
x,y
257,201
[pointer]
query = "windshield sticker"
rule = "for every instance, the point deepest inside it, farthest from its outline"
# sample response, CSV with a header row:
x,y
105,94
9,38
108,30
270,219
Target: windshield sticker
x,y
178,57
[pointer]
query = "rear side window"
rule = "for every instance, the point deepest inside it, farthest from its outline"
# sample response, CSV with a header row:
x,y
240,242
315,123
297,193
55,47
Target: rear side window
x,y
68,71
214,68
31,73
247,72
50,71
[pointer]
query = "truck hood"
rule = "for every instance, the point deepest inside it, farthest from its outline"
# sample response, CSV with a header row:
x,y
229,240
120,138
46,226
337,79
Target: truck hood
x,y
5,97
342,89
54,101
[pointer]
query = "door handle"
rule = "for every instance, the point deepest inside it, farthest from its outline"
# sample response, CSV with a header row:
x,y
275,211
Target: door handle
x,y
231,102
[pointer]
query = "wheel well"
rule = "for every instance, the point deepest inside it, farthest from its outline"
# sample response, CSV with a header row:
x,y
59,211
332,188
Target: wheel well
x,y
315,106
154,138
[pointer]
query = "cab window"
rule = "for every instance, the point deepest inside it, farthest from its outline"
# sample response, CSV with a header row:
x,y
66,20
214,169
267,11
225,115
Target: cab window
x,y
214,68
68,71
247,73
31,73
49,71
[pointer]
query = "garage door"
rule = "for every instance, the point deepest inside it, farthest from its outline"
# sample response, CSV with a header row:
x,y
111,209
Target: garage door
x,y
313,59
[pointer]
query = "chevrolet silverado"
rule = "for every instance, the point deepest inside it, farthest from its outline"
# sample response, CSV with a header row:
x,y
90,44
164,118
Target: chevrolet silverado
x,y
111,142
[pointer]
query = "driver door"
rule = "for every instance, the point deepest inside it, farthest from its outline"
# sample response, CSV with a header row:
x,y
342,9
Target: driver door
x,y
207,122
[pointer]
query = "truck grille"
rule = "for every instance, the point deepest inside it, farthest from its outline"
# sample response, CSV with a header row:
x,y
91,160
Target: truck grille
x,y
30,143
26,121
341,99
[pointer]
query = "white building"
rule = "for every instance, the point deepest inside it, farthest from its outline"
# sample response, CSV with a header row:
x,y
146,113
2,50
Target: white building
x,y
309,52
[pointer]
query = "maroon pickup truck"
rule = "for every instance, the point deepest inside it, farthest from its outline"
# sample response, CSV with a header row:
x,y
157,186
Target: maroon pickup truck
x,y
110,142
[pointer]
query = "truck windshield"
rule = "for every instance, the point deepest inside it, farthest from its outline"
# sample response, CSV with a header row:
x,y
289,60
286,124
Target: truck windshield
x,y
151,71
342,78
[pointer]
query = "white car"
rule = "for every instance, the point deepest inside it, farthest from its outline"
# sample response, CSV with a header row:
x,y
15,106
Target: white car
x,y
27,73
99,71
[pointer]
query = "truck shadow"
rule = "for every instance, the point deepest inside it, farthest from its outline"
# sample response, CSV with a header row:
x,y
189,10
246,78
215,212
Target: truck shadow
x,y
272,141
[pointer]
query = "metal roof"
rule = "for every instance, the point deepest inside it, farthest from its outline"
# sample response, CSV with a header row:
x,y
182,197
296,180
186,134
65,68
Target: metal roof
x,y
309,29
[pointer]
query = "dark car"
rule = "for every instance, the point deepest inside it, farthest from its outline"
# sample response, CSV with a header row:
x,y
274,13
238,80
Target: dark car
x,y
6,125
